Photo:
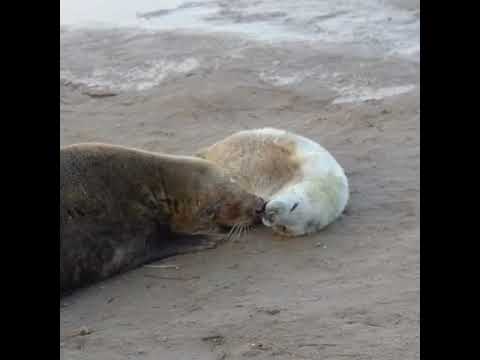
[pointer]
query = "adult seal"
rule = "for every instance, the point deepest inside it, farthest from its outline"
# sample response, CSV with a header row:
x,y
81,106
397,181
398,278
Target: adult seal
x,y
122,207
305,187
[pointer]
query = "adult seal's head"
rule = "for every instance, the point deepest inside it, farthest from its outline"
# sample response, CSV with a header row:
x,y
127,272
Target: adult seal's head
x,y
120,207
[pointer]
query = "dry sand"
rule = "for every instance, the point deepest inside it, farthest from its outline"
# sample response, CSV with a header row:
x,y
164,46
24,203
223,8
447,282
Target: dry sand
x,y
349,292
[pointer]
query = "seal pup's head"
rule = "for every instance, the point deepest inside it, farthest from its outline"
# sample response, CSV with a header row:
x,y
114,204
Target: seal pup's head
x,y
290,215
306,207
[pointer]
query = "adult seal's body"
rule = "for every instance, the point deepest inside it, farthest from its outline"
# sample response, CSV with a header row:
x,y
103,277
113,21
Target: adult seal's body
x,y
122,207
305,187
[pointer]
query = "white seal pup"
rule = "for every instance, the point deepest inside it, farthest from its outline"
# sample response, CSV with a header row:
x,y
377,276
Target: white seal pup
x,y
304,186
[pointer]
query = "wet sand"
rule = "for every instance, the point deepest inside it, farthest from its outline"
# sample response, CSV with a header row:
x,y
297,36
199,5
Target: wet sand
x,y
351,291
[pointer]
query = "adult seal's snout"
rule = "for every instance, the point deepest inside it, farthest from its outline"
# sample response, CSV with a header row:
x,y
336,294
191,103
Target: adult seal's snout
x,y
260,209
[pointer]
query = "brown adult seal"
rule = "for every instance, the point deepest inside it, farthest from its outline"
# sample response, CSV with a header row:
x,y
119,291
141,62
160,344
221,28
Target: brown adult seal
x,y
123,207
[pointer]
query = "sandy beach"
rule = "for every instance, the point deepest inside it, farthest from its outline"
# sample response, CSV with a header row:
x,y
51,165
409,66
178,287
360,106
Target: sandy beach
x,y
350,291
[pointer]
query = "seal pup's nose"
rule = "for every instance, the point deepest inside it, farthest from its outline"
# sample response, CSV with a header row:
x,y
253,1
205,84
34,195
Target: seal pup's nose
x,y
268,217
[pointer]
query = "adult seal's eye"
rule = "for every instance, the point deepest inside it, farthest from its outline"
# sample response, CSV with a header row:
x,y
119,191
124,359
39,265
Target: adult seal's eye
x,y
213,210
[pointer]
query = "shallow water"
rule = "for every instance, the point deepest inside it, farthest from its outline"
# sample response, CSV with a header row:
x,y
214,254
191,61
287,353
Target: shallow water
x,y
381,26
127,55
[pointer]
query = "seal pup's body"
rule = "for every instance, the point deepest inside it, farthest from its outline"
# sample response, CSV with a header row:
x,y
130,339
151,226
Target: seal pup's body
x,y
304,186
123,207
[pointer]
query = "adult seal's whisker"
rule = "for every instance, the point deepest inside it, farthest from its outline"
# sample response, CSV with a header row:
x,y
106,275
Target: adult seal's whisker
x,y
229,235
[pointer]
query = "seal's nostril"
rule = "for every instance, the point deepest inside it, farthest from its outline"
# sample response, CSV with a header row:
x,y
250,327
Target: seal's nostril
x,y
260,208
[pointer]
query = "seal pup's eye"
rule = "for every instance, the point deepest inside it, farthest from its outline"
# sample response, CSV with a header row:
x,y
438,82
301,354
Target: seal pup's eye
x,y
294,207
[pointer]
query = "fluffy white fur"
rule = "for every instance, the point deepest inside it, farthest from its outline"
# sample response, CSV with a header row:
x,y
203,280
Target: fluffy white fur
x,y
315,197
